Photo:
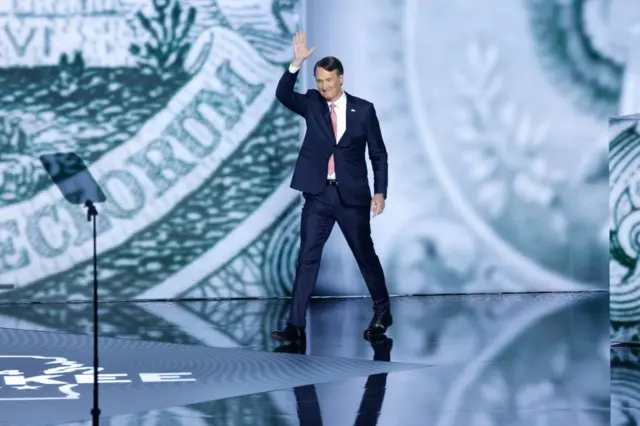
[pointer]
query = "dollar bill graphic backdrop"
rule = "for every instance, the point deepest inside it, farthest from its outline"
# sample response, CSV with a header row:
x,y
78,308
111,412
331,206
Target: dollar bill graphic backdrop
x,y
624,150
496,143
172,104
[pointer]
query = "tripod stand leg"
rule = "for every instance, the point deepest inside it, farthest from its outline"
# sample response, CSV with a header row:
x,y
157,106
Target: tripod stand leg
x,y
92,213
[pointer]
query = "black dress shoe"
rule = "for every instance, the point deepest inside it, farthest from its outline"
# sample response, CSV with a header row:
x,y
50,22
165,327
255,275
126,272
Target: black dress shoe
x,y
290,333
378,326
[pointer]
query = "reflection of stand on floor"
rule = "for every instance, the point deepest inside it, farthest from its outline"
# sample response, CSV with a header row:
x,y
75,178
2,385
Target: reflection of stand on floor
x,y
77,185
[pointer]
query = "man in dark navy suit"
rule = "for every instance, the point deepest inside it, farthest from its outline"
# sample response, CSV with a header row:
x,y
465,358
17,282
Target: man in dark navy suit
x,y
331,173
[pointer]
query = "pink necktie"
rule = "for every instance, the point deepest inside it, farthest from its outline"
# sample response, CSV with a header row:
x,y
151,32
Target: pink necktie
x,y
334,122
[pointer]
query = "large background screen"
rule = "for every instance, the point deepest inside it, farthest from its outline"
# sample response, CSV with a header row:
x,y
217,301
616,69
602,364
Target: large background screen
x,y
494,114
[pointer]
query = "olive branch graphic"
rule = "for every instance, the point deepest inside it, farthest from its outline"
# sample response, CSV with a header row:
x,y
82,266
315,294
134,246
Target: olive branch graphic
x,y
502,142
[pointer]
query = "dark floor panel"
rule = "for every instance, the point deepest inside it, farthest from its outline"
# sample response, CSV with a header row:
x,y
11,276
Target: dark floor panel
x,y
489,360
148,375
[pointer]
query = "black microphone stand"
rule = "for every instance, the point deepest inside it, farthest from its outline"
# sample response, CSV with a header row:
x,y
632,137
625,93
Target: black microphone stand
x,y
92,213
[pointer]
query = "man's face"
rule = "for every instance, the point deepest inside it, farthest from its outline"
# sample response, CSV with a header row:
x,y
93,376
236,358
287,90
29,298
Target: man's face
x,y
329,84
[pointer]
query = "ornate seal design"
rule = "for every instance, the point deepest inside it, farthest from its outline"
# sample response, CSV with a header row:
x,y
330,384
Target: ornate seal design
x,y
624,232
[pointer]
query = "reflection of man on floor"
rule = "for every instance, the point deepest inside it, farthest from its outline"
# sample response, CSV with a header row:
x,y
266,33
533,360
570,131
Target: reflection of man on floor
x,y
309,413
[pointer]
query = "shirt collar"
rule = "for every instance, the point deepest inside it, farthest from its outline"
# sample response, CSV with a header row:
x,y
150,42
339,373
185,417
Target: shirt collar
x,y
341,101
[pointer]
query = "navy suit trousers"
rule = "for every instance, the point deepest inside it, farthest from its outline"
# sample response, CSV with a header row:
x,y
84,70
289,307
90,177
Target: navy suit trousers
x,y
319,214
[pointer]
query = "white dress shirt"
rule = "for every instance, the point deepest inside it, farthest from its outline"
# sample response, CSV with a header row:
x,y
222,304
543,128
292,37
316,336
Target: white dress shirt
x,y
341,114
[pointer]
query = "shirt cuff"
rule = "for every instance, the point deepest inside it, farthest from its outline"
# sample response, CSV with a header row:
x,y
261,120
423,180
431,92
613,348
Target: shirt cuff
x,y
293,69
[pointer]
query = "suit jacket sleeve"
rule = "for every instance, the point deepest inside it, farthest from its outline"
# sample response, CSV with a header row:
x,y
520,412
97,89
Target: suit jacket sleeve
x,y
286,94
377,154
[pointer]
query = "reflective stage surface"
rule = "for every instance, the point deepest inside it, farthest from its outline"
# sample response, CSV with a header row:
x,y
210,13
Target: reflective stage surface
x,y
449,360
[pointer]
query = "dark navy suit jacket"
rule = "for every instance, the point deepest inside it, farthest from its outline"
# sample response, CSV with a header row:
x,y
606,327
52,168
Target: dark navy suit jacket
x,y
363,129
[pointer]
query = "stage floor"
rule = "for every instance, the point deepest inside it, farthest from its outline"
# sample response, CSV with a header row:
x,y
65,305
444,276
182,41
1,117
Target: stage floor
x,y
450,360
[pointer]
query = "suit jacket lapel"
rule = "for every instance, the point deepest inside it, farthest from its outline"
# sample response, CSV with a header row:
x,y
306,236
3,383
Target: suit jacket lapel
x,y
326,118
349,115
